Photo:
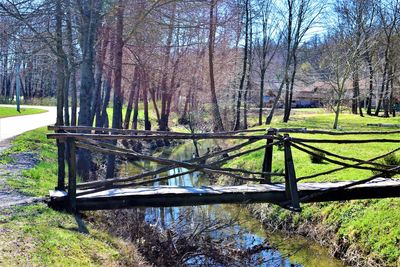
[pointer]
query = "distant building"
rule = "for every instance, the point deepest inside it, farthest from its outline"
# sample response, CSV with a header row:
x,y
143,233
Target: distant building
x,y
310,96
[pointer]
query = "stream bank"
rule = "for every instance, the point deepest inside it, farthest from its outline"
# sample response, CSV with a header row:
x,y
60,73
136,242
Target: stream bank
x,y
315,224
230,229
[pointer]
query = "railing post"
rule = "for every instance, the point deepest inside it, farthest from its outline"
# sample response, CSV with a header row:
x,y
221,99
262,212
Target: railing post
x,y
267,163
71,174
61,165
290,176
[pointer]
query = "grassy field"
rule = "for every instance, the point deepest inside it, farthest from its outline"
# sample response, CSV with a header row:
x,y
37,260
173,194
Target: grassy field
x,y
39,236
370,226
11,112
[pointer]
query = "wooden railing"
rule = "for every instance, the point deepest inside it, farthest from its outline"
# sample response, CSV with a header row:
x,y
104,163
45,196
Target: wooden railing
x,y
91,138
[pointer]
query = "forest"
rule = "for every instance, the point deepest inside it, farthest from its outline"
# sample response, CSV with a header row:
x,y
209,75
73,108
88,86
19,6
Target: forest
x,y
227,59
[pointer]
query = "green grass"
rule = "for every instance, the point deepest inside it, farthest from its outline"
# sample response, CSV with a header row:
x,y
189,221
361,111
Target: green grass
x,y
373,226
39,236
12,112
43,177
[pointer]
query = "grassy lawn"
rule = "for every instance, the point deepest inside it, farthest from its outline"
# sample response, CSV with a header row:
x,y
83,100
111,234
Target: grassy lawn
x,y
372,226
39,236
11,112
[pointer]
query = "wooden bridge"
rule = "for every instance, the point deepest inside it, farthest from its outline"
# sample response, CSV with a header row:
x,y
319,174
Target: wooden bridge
x,y
139,190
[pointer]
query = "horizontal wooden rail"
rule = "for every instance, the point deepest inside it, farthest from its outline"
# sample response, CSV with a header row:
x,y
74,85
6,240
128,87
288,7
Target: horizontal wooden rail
x,y
82,136
344,141
305,131
383,125
278,130
144,132
352,184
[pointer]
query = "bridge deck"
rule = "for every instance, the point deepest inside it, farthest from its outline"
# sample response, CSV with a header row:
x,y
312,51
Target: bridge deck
x,y
164,196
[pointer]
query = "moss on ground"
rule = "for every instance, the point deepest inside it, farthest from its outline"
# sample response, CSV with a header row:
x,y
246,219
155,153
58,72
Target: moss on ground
x,y
12,112
372,226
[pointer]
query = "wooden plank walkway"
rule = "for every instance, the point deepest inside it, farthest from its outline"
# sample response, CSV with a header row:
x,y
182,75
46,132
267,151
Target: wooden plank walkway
x,y
166,196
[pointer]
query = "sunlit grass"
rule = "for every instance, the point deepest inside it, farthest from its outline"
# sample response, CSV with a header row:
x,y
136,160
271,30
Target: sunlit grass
x,y
12,111
371,226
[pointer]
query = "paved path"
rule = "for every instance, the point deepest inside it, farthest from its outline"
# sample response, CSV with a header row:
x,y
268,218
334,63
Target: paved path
x,y
13,126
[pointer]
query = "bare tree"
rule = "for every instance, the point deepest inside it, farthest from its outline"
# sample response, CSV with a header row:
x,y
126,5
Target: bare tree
x,y
267,46
338,70
218,125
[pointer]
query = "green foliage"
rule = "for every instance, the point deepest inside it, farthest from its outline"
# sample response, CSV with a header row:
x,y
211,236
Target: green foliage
x,y
392,160
317,157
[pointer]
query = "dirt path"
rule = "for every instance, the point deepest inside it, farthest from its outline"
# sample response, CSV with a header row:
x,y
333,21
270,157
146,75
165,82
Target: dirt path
x,y
13,126
20,161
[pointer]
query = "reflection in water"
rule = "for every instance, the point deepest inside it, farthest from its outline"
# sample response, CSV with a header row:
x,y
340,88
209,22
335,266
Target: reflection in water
x,y
238,227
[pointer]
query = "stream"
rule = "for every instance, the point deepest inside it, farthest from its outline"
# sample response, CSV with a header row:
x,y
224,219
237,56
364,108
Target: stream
x,y
228,223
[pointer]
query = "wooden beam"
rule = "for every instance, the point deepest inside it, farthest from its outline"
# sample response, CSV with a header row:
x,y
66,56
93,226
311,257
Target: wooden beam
x,y
83,136
131,131
290,176
305,131
345,141
72,174
167,196
267,162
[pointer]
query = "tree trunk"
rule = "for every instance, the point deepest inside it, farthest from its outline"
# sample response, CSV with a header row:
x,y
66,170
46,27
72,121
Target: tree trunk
x,y
88,28
165,91
337,112
71,64
154,101
371,83
132,91
118,98
275,104
250,59
386,100
100,58
218,125
244,69
147,124
103,121
288,107
136,105
380,95
60,94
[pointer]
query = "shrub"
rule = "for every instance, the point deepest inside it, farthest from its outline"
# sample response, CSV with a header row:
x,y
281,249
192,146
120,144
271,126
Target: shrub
x,y
318,157
391,159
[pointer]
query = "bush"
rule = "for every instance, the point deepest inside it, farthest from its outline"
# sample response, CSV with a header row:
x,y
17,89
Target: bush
x,y
318,157
391,159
